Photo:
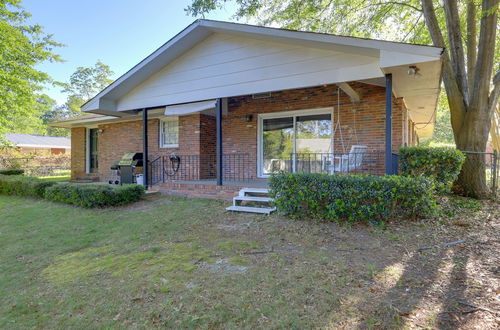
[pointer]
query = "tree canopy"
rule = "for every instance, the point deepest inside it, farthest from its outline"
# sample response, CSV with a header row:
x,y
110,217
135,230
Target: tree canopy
x,y
83,84
23,47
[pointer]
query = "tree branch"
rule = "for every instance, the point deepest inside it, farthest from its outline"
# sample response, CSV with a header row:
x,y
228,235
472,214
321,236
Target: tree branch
x,y
471,43
484,62
495,94
455,96
404,5
456,46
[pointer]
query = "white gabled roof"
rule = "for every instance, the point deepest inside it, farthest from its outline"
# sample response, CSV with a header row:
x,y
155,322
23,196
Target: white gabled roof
x,y
344,59
38,141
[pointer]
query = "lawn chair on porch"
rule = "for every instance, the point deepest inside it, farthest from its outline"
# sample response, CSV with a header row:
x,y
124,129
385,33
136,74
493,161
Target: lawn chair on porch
x,y
344,163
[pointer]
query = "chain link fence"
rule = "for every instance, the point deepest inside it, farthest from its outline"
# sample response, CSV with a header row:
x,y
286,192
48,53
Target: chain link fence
x,y
39,166
491,165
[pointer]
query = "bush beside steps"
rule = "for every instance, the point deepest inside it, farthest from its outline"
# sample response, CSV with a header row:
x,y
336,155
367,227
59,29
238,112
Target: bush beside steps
x,y
83,195
353,197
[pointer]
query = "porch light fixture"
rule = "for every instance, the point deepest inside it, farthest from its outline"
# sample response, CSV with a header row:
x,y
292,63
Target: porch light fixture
x,y
249,118
413,70
100,131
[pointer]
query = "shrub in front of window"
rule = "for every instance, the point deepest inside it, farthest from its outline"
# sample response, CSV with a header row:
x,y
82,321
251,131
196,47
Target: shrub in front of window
x,y
12,172
352,197
94,195
23,186
441,164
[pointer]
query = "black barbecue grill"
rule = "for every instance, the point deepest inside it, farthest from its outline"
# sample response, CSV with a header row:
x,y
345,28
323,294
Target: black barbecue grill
x,y
128,166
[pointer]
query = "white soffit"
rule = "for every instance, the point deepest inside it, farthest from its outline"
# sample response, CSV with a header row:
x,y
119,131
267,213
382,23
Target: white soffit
x,y
184,109
420,93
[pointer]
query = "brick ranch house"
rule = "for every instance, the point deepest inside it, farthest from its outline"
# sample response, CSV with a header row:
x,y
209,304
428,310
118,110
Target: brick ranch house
x,y
222,106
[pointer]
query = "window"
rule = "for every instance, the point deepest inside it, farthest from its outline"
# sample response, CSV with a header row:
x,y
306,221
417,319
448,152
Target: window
x,y
169,132
292,134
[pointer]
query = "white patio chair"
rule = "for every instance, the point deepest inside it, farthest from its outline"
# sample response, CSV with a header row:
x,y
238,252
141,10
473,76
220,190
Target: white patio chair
x,y
344,163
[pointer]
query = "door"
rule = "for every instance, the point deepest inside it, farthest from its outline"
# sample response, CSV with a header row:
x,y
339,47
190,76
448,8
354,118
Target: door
x,y
294,141
93,150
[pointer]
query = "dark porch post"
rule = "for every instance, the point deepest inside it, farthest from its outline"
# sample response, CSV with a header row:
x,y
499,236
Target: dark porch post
x,y
388,124
218,132
145,147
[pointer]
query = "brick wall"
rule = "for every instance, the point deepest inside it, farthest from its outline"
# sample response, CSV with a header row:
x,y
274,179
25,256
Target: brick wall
x,y
362,123
78,140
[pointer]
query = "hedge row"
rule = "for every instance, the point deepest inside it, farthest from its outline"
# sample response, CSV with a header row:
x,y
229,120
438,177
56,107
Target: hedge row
x,y
94,195
441,164
12,172
23,186
352,197
84,195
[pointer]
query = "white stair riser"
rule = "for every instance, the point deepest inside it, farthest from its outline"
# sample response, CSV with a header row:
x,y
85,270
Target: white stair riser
x,y
253,199
260,210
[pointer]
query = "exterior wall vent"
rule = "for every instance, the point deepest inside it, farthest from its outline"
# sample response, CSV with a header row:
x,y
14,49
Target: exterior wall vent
x,y
261,96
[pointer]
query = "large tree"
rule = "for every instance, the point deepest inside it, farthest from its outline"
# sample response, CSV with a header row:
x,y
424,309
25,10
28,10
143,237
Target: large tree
x,y
22,48
466,28
83,84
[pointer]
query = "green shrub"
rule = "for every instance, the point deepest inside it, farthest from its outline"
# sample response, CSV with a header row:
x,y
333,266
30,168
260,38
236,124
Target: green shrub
x,y
441,164
352,197
94,195
23,186
11,172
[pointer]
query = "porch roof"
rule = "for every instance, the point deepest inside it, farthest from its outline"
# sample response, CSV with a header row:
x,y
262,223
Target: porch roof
x,y
212,59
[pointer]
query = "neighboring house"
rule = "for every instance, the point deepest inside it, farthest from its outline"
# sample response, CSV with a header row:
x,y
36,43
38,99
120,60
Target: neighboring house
x,y
29,143
238,102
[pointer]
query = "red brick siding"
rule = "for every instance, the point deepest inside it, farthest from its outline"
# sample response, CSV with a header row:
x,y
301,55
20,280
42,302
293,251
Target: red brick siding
x,y
362,123
366,126
78,150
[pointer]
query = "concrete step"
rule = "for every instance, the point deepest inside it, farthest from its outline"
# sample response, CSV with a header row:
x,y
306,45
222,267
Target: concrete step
x,y
261,210
254,191
253,199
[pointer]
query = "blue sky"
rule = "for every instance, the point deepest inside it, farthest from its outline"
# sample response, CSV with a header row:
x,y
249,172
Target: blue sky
x,y
120,33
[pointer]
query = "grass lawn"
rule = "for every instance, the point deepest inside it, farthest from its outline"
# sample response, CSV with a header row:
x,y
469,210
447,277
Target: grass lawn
x,y
186,263
56,178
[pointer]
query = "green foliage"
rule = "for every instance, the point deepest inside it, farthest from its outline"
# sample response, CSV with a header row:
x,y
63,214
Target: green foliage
x,y
441,164
12,172
94,195
23,186
23,47
83,84
352,197
443,132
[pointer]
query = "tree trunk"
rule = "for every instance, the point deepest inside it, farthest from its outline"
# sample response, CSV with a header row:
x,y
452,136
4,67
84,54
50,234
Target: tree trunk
x,y
473,138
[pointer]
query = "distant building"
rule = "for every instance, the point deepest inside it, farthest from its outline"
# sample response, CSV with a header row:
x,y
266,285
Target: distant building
x,y
29,143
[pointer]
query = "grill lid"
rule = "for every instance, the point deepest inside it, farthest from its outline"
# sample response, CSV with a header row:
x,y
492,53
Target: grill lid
x,y
130,158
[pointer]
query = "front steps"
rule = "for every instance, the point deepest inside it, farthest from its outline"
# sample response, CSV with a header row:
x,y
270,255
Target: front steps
x,y
252,200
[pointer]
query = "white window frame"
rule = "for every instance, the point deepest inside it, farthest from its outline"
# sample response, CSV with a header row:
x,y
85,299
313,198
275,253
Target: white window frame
x,y
272,115
163,120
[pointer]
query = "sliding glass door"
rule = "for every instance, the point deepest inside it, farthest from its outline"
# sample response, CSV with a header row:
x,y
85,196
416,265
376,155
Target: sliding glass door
x,y
291,141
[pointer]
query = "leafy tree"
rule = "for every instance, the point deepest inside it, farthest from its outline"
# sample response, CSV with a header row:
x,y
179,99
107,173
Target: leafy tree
x,y
467,29
84,83
22,48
